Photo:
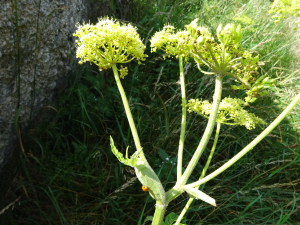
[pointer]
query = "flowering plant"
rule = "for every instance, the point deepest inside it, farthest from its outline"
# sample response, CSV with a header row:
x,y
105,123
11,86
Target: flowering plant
x,y
109,42
281,8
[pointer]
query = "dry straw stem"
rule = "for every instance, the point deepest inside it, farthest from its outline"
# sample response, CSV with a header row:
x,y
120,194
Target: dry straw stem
x,y
9,205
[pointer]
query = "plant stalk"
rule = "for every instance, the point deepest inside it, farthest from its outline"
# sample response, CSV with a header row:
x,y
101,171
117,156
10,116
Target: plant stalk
x,y
128,112
208,130
249,146
183,121
159,214
188,204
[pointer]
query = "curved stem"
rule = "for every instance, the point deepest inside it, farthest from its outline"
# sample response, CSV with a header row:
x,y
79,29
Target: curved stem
x,y
213,56
183,121
208,131
235,59
128,112
240,79
188,204
249,146
199,56
202,71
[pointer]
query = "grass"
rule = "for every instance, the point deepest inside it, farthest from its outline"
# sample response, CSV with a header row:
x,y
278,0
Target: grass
x,y
72,177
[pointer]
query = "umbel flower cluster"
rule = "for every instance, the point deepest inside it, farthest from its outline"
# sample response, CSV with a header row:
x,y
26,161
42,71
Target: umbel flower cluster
x,y
231,112
106,44
281,8
225,56
109,42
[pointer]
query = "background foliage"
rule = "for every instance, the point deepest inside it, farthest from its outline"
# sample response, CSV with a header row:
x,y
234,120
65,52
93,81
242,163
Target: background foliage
x,y
72,177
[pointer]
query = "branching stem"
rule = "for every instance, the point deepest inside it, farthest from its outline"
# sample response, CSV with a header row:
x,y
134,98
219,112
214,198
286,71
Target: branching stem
x,y
190,201
249,146
208,131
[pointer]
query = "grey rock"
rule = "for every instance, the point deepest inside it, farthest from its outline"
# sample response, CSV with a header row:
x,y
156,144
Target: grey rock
x,y
35,65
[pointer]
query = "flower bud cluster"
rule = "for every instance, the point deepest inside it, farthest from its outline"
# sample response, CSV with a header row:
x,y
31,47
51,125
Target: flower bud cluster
x,y
197,42
200,35
259,88
123,72
230,34
246,69
220,57
174,44
225,57
231,112
108,42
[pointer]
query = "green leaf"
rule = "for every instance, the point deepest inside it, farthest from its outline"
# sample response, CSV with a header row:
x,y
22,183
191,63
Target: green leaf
x,y
234,87
148,177
148,218
263,93
172,217
144,20
119,155
162,153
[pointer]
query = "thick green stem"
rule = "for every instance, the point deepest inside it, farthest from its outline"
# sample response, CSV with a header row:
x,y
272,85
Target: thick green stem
x,y
128,112
188,204
249,146
208,131
183,121
159,214
177,189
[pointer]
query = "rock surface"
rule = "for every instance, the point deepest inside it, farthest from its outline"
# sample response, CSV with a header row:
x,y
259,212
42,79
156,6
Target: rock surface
x,y
37,52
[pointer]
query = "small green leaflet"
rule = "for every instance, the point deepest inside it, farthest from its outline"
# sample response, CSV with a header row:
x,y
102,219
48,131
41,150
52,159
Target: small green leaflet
x,y
129,162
